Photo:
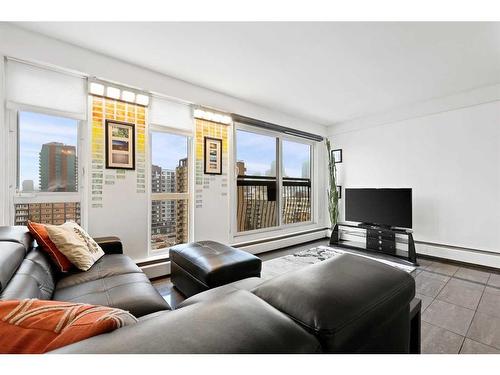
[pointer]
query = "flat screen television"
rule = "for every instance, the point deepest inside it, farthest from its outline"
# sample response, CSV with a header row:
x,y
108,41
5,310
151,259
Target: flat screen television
x,y
380,207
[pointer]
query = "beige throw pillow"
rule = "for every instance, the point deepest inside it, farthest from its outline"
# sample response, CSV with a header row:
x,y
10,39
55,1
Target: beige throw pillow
x,y
71,240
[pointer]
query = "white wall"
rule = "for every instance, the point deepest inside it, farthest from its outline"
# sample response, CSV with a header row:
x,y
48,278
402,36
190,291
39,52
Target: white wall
x,y
22,44
18,43
450,157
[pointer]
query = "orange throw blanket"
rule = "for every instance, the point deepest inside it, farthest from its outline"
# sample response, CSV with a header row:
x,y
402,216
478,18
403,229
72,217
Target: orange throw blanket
x,y
34,326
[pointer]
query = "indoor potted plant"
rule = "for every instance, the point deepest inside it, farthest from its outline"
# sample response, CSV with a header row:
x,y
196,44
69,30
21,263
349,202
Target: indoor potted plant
x,y
333,195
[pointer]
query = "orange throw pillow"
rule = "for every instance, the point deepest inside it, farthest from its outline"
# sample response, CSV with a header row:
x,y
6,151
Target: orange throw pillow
x,y
42,238
34,326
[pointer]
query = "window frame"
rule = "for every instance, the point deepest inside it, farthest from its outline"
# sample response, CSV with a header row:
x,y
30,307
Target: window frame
x,y
155,128
280,137
13,111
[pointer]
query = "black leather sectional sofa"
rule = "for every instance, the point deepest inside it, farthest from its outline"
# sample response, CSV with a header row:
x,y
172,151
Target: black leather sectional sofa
x,y
344,305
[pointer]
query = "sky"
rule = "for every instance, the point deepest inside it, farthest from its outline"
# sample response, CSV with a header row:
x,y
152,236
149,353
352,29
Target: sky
x,y
35,129
259,152
168,149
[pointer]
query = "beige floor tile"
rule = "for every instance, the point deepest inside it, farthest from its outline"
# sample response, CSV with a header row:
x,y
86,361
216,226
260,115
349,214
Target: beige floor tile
x,y
490,302
430,284
442,268
462,293
485,329
472,275
473,347
448,316
436,340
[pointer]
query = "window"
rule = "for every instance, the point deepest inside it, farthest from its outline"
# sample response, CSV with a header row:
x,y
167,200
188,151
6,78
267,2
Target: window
x,y
169,189
274,180
296,182
47,153
257,206
47,169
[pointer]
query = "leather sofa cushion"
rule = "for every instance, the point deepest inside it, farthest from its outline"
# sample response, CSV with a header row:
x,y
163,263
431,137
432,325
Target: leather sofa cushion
x,y
236,323
211,294
342,300
19,234
33,279
107,266
215,264
131,292
153,315
11,257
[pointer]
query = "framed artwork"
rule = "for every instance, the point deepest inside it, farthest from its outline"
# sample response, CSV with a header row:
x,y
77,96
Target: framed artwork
x,y
213,156
339,191
120,145
337,155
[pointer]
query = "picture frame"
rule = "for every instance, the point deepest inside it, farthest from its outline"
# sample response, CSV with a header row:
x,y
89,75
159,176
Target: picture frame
x,y
120,145
339,191
212,156
337,155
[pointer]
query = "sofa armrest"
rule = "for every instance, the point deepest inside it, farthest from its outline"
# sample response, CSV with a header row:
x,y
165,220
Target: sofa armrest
x,y
350,303
110,244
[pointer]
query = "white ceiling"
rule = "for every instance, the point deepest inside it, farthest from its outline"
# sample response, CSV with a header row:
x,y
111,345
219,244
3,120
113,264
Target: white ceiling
x,y
324,72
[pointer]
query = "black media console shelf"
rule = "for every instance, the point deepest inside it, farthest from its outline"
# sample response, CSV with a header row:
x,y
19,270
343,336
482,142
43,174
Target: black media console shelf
x,y
377,240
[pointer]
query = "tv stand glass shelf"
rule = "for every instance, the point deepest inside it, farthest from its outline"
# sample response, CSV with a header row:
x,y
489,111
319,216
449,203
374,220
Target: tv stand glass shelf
x,y
398,243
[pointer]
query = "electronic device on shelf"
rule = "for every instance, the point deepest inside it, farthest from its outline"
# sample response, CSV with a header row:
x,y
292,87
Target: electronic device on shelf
x,y
386,208
385,217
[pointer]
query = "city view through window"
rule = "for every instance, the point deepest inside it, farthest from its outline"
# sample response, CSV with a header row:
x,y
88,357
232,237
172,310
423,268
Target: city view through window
x,y
257,184
47,153
47,162
169,188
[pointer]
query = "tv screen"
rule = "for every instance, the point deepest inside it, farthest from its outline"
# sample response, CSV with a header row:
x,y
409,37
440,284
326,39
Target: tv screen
x,y
386,207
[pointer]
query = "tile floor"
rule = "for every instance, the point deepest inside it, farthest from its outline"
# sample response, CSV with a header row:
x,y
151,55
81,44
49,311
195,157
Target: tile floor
x,y
460,308
460,305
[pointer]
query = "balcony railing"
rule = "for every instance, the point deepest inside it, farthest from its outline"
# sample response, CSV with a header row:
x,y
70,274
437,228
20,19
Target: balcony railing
x,y
257,203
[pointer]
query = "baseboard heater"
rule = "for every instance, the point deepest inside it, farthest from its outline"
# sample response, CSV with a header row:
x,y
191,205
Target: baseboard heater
x,y
277,238
152,267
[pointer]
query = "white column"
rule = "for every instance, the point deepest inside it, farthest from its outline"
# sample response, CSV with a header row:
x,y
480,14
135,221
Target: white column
x,y
4,137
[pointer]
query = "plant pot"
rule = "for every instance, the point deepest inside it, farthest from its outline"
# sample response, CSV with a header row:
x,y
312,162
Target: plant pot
x,y
334,237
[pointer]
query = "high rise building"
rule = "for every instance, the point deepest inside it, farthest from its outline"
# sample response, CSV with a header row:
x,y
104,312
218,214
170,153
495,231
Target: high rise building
x,y
163,224
241,168
182,207
48,213
28,186
58,167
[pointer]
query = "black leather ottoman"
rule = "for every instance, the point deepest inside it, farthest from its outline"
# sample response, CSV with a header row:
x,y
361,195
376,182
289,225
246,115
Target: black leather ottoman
x,y
199,266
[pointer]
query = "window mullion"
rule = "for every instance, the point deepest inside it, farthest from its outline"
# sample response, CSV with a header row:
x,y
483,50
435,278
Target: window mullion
x,y
279,181
169,196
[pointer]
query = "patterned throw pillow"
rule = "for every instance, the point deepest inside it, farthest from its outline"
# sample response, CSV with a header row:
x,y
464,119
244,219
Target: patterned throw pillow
x,y
39,232
33,326
75,244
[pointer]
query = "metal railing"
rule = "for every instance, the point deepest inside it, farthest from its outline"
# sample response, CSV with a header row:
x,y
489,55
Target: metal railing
x,y
257,204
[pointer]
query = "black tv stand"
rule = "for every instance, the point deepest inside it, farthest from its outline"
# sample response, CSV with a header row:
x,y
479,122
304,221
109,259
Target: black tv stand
x,y
374,226
378,239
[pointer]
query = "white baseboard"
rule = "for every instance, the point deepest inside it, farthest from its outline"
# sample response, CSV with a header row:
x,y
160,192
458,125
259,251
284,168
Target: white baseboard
x,y
157,269
459,254
163,268
284,242
439,251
